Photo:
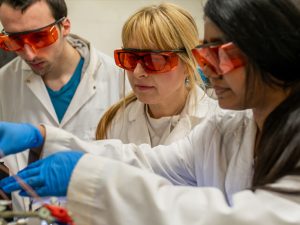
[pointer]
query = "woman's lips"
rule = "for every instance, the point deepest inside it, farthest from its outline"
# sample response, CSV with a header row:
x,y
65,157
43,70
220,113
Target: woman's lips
x,y
220,90
143,87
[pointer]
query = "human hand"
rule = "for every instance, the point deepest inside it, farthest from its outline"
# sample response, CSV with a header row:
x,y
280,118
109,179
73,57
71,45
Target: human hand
x,y
17,137
47,177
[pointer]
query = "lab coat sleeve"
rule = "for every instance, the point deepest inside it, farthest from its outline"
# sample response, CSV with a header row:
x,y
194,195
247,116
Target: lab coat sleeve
x,y
175,162
104,191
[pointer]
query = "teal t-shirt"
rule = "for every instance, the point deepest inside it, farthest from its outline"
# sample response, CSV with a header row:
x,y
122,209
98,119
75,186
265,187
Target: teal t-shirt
x,y
61,99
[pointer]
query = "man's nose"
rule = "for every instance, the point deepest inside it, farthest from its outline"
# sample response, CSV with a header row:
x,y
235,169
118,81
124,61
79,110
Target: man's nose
x,y
28,52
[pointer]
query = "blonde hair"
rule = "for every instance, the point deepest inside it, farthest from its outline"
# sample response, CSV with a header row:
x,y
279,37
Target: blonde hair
x,y
162,27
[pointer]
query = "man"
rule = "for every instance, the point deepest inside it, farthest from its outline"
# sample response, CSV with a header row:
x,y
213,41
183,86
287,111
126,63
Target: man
x,y
58,78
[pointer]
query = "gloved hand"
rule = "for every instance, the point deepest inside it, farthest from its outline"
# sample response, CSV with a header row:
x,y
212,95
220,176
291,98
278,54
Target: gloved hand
x,y
17,137
47,177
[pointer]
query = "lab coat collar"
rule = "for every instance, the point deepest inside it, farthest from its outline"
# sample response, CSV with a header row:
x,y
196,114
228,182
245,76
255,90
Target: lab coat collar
x,y
87,86
137,119
85,90
136,111
189,117
37,86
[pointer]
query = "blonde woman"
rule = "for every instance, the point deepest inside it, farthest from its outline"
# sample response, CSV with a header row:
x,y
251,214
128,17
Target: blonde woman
x,y
166,102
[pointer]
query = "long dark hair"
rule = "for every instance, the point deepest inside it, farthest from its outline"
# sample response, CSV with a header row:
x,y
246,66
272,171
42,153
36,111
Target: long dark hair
x,y
268,33
279,148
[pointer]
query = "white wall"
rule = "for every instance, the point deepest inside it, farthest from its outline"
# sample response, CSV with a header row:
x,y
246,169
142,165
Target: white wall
x,y
101,21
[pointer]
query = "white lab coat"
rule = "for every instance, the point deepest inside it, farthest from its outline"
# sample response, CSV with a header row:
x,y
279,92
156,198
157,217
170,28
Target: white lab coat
x,y
130,125
24,98
217,156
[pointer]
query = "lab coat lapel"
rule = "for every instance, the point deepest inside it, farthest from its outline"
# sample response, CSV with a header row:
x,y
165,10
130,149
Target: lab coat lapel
x,y
137,130
87,87
85,91
187,121
181,129
38,88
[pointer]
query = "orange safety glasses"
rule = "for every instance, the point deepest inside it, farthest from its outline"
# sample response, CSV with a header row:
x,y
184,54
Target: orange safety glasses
x,y
220,57
153,61
38,38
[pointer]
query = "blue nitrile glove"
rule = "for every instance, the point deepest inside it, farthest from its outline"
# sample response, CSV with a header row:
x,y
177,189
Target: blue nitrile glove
x,y
47,177
17,137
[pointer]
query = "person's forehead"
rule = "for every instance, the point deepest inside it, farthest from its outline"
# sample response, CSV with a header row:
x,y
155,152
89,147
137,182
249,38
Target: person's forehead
x,y
35,16
211,32
138,44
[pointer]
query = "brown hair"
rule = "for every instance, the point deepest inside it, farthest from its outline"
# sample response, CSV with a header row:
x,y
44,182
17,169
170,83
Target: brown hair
x,y
58,7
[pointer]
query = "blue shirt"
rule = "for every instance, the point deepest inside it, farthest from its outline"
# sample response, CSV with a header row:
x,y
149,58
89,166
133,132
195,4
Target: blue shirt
x,y
61,99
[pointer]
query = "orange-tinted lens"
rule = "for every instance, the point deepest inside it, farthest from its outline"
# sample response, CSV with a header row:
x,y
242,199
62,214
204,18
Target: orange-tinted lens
x,y
222,59
152,62
13,44
127,60
3,38
230,57
160,62
37,39
206,56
